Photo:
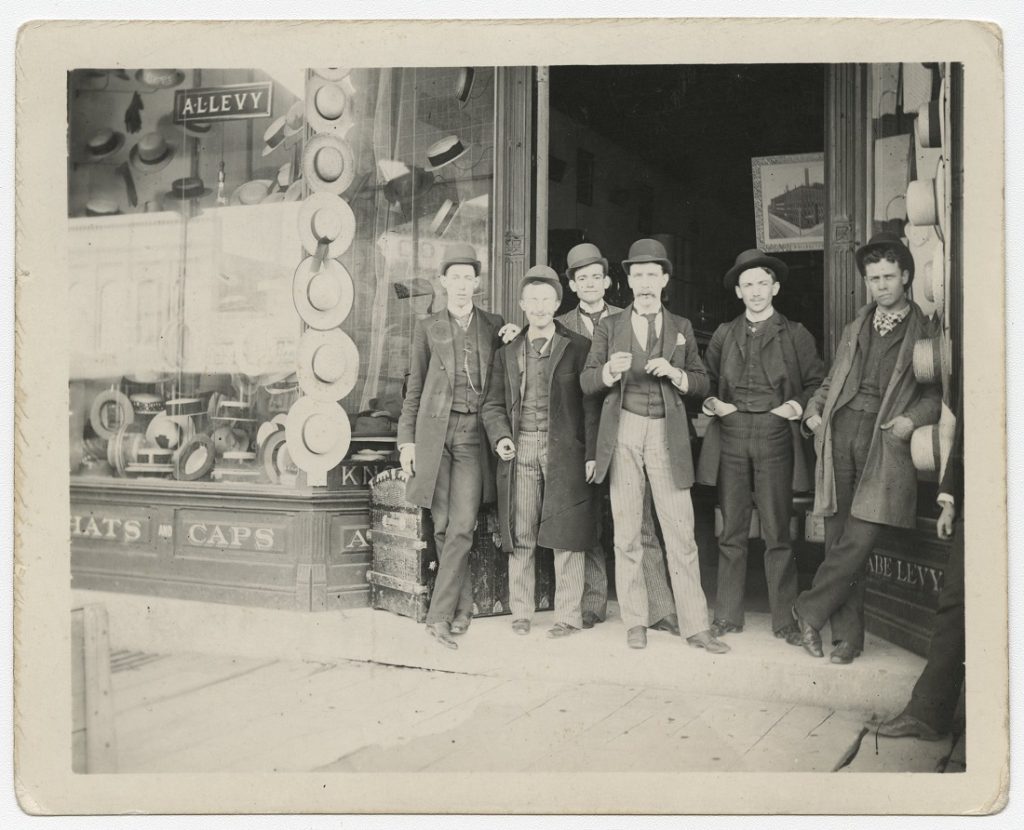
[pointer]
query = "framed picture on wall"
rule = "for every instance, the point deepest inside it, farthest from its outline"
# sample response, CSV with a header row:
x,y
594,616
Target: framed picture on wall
x,y
789,201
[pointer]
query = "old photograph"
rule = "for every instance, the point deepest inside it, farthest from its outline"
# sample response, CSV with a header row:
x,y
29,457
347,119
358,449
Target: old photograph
x,y
514,417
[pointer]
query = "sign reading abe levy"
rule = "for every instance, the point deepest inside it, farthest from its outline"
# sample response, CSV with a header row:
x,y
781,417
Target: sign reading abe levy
x,y
223,103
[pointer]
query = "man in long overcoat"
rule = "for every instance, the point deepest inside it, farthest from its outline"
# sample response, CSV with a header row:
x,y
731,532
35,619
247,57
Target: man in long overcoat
x,y
545,433
862,417
440,437
763,369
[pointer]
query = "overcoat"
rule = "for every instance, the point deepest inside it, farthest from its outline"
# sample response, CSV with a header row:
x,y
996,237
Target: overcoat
x,y
887,490
679,347
568,518
791,362
428,399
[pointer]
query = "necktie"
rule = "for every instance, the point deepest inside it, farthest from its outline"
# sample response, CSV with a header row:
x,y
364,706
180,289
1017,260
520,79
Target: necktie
x,y
652,336
594,317
886,321
538,344
463,321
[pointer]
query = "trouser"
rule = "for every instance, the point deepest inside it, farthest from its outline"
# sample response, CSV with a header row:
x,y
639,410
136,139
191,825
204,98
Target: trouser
x,y
454,509
642,451
757,448
595,575
837,592
530,474
937,690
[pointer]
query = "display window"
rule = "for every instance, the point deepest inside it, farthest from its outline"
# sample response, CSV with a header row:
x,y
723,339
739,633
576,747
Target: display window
x,y
249,250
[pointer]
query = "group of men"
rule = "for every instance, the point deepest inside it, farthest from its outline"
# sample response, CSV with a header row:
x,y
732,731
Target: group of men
x,y
599,395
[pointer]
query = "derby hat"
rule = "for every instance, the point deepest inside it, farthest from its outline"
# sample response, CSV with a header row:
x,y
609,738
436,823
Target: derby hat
x,y
754,258
459,253
582,255
886,240
541,275
160,78
444,152
327,364
103,143
318,435
191,187
151,153
329,105
647,250
326,219
322,297
328,164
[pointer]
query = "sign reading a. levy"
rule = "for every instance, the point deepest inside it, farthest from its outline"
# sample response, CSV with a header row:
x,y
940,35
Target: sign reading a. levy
x,y
223,103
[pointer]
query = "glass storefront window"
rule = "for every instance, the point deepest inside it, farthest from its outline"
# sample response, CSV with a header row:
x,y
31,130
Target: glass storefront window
x,y
249,251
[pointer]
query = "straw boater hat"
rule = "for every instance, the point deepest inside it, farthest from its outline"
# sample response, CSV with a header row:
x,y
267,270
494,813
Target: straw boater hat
x,y
754,258
160,78
647,250
328,108
542,275
328,164
284,130
103,143
582,255
327,364
252,192
444,152
318,434
883,241
926,198
323,298
333,73
151,153
326,218
464,83
459,253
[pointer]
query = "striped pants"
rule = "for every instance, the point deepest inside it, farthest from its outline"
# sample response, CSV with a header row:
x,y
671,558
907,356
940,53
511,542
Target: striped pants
x,y
595,575
531,470
642,445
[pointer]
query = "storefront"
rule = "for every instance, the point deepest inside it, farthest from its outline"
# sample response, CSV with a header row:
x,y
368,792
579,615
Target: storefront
x,y
251,249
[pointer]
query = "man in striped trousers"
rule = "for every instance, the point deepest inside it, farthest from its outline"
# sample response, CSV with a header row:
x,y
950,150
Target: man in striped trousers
x,y
640,365
544,432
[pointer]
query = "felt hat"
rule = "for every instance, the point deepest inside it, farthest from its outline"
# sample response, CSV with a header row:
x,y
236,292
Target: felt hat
x,y
151,153
103,143
459,253
886,240
647,250
542,274
754,258
582,255
328,164
191,187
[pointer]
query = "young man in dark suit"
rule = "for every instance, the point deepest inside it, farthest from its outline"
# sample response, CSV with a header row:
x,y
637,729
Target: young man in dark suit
x,y
762,369
862,418
641,363
440,437
545,433
587,273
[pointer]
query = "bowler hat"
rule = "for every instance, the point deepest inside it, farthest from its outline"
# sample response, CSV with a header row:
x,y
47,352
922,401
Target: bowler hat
x,y
582,255
459,253
754,258
887,240
542,275
647,250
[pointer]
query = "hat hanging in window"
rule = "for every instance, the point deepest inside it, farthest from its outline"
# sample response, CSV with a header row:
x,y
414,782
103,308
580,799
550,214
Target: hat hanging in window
x,y
160,78
103,143
285,130
327,225
151,153
327,364
333,73
318,435
329,105
322,297
328,164
444,152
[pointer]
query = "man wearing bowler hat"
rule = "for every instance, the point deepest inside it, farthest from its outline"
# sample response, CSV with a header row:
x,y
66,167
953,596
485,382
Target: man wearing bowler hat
x,y
545,433
640,365
763,369
587,273
862,418
440,437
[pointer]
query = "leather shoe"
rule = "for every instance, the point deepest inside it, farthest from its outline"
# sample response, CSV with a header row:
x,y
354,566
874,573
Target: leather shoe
x,y
636,637
707,641
790,633
810,639
669,623
720,627
461,623
521,626
590,619
907,726
844,653
561,630
441,631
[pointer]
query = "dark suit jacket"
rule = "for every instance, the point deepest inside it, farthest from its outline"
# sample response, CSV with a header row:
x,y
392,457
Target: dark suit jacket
x,y
679,346
428,399
568,519
573,320
790,360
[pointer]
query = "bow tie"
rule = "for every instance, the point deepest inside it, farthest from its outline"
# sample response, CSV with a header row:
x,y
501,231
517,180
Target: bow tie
x,y
886,321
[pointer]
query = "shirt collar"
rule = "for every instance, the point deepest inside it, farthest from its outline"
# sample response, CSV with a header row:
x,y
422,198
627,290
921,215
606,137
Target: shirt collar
x,y
761,316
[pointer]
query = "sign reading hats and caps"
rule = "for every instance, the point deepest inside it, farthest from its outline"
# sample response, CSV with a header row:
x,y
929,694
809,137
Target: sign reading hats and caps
x,y
224,103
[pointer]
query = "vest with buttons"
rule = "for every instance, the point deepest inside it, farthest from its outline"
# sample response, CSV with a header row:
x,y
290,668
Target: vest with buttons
x,y
642,393
752,391
467,392
535,394
876,370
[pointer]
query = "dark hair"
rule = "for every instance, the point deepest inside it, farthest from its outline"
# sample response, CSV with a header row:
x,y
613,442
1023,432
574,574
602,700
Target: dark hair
x,y
879,254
